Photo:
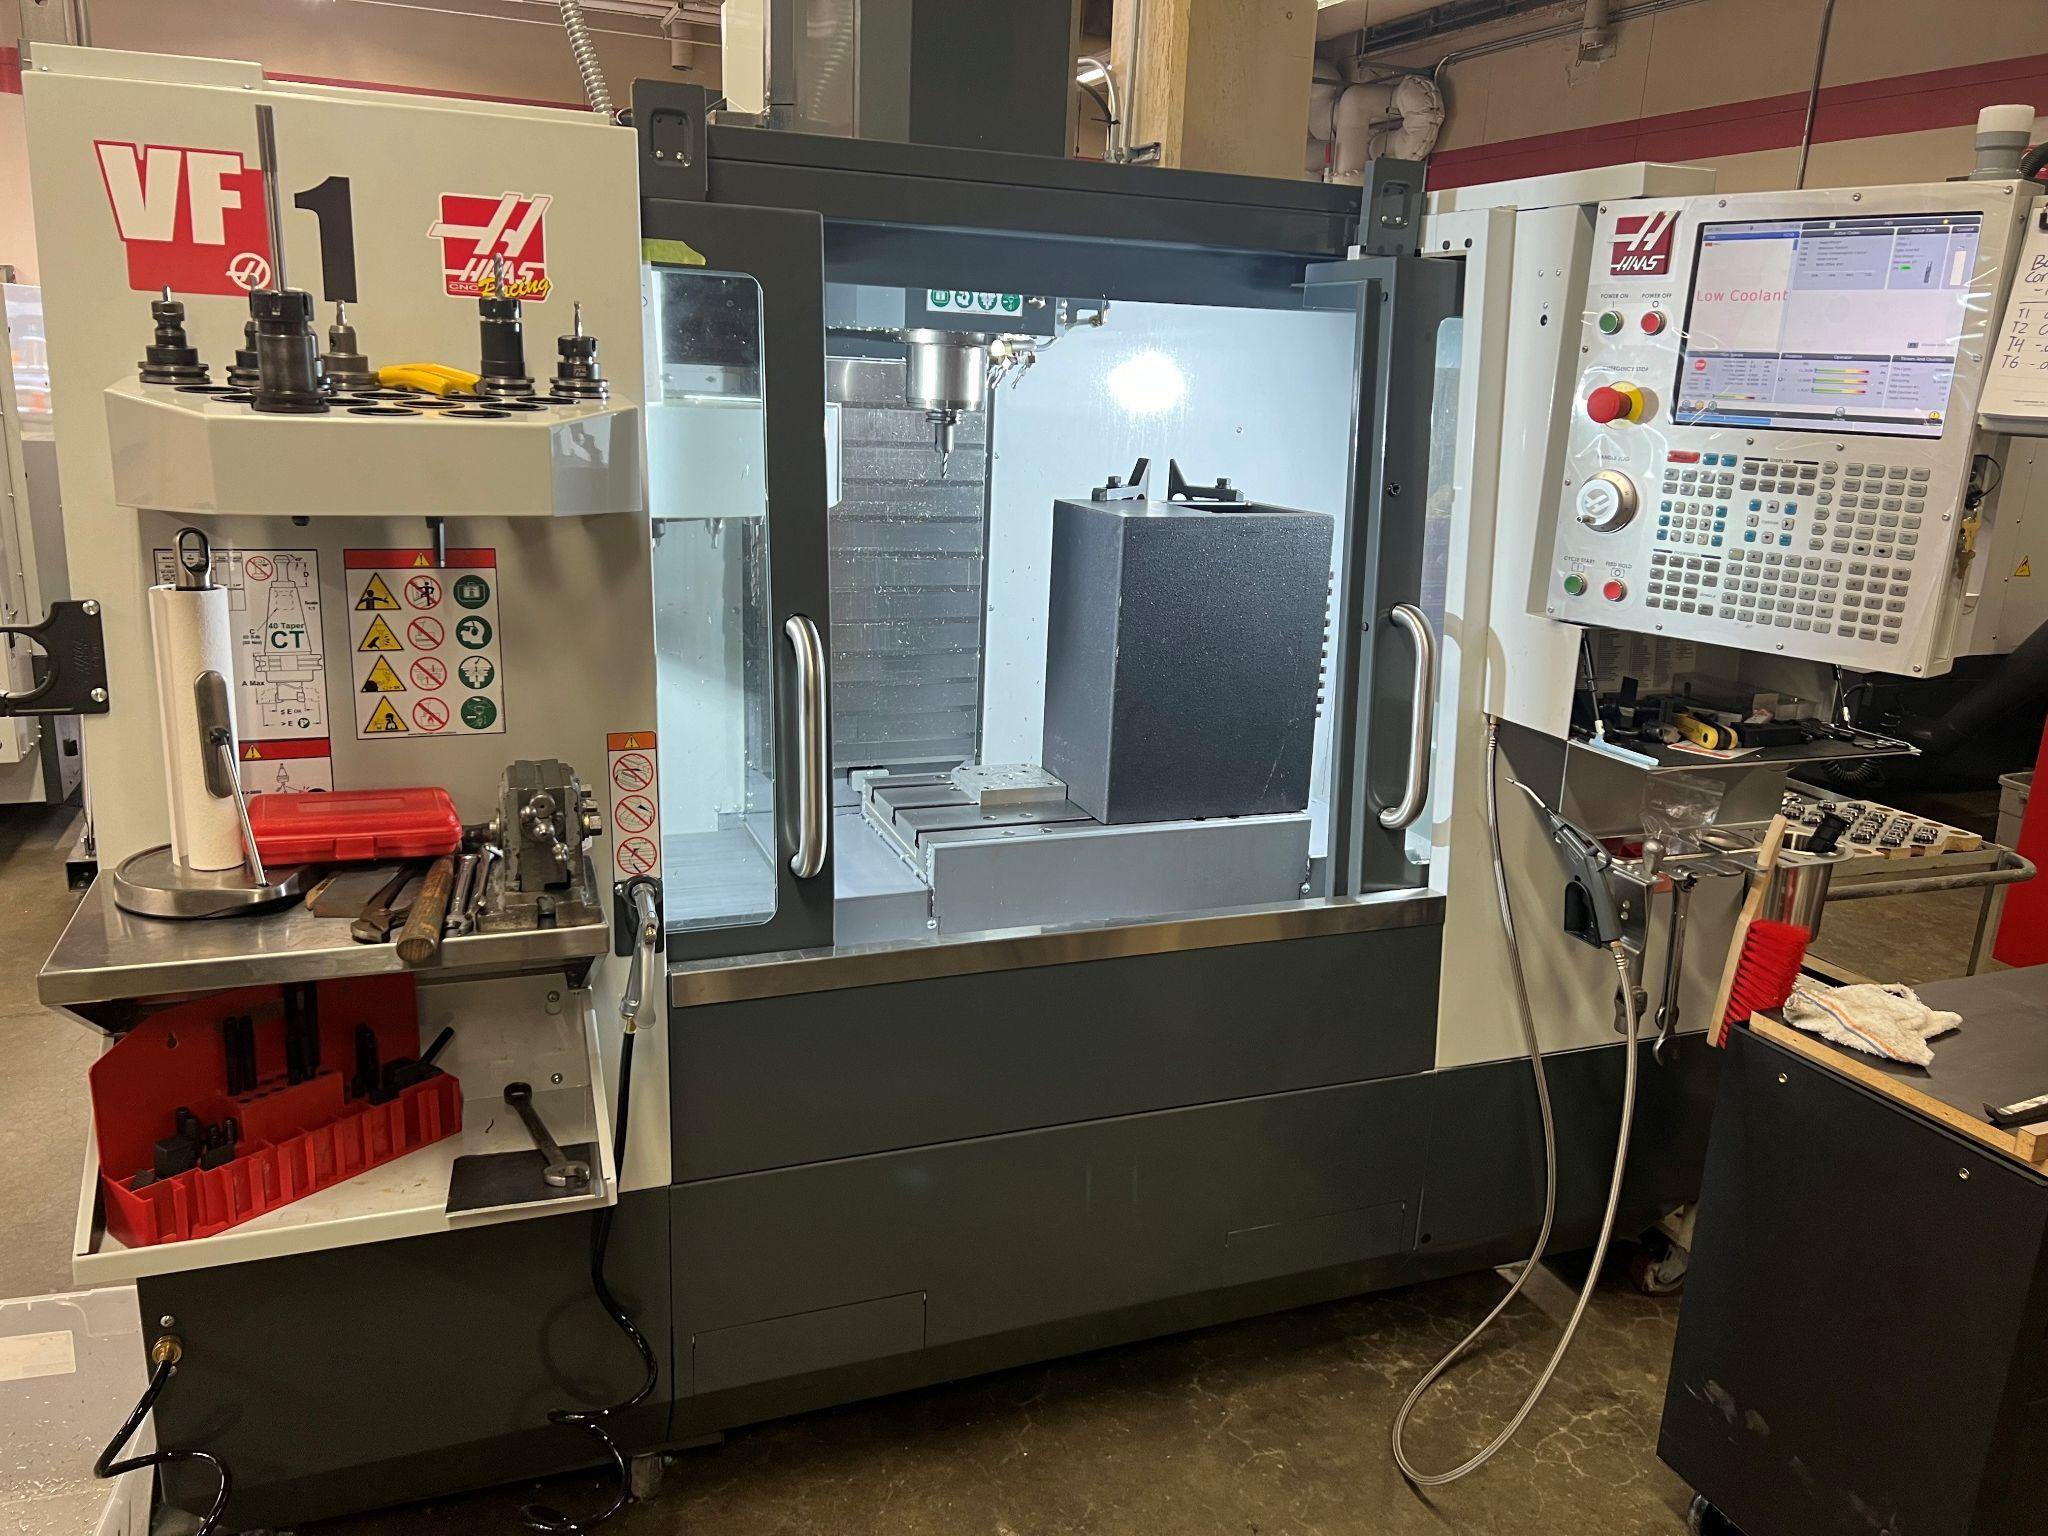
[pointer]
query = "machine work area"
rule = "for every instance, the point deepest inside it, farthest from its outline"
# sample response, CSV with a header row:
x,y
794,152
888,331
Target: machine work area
x,y
794,800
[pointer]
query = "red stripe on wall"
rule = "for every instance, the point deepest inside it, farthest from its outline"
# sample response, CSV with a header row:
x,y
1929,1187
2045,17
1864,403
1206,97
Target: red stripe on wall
x,y
1939,98
10,71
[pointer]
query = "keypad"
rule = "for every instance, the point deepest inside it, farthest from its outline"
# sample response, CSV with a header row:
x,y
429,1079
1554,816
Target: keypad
x,y
1815,546
1683,583
1693,501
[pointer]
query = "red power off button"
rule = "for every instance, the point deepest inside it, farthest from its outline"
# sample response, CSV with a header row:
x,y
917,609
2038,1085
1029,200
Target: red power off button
x,y
1614,591
1653,322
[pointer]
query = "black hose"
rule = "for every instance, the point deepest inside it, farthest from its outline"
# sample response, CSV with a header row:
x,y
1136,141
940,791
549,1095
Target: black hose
x,y
539,1517
2019,684
159,1377
2034,162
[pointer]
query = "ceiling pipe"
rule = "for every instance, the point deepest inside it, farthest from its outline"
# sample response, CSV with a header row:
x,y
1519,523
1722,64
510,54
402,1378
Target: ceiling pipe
x,y
1543,34
1596,38
1093,70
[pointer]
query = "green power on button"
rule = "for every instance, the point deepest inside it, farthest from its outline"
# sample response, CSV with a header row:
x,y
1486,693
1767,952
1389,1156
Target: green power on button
x,y
1575,585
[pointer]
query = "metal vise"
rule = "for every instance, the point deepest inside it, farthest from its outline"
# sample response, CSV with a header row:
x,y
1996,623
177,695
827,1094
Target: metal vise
x,y
545,820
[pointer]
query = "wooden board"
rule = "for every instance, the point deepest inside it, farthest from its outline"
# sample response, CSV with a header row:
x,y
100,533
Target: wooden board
x,y
2026,1144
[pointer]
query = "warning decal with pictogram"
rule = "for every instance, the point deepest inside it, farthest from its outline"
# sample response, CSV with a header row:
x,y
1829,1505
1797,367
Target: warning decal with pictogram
x,y
376,597
384,721
630,764
382,679
445,658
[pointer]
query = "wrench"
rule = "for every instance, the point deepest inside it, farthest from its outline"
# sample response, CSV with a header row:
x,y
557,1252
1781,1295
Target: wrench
x,y
1674,961
560,1172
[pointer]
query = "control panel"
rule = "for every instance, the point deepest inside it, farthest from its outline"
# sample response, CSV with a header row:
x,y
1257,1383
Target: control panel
x,y
1774,419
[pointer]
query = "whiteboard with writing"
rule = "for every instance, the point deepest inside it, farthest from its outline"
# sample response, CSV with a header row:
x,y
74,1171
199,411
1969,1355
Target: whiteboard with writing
x,y
2015,397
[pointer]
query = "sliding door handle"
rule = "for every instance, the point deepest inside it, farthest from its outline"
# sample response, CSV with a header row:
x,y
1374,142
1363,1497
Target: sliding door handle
x,y
813,767
1421,719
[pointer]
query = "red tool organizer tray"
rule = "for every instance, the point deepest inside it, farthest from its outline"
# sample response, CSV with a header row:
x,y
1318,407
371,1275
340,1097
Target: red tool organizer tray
x,y
296,1138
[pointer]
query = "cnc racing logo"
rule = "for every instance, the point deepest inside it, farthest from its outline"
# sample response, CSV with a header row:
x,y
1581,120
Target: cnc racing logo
x,y
191,219
1642,244
475,230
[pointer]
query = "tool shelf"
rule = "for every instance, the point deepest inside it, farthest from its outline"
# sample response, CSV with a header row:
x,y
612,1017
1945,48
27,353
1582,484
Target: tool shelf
x,y
1660,757
506,1029
200,451
107,957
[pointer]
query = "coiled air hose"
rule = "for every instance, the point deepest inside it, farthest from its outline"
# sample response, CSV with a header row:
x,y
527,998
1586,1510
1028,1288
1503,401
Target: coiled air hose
x,y
1526,1017
164,1358
539,1517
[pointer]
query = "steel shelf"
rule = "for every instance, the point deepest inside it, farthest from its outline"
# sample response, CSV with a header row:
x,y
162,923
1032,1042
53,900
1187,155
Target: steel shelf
x,y
1656,757
107,955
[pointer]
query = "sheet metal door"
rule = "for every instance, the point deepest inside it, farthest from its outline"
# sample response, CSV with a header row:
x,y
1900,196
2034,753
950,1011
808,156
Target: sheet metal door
x,y
752,873
1384,652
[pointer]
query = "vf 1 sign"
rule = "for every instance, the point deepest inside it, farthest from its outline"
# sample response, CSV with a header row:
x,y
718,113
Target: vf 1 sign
x,y
191,219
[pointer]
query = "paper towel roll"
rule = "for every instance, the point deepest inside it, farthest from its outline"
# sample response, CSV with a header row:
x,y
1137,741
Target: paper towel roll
x,y
193,636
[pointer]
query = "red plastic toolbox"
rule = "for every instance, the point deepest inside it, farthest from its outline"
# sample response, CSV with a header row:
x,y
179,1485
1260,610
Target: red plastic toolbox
x,y
296,1137
355,825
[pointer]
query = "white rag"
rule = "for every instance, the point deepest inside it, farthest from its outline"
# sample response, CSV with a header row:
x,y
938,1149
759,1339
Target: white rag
x,y
1886,1021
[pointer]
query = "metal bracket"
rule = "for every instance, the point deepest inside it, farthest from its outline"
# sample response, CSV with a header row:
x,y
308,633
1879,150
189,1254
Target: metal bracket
x,y
1178,489
638,930
1135,487
671,119
1390,212
626,916
75,682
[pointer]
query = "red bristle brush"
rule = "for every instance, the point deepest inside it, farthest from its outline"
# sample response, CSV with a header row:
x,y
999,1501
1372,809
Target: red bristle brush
x,y
1763,957
1765,972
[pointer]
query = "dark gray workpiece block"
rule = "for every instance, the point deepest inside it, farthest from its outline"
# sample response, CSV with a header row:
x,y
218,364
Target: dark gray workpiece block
x,y
1184,648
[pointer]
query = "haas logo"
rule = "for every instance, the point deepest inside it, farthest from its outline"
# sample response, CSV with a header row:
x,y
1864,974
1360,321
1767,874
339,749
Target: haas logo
x,y
475,230
190,218
1642,244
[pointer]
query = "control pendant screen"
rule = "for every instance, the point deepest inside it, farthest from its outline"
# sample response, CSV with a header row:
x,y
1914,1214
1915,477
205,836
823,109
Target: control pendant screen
x,y
1827,325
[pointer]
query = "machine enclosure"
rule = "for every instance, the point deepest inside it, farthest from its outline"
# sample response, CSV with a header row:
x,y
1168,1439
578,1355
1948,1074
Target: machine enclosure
x,y
1184,647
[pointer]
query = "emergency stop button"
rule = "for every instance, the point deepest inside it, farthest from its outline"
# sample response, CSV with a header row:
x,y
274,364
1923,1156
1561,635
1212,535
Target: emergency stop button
x,y
1619,401
1615,590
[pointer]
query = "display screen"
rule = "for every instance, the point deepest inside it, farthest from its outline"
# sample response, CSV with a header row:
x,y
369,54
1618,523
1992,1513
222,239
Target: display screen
x,y
1827,325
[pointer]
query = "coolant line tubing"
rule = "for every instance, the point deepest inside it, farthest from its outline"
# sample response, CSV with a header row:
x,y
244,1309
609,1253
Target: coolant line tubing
x,y
1526,1016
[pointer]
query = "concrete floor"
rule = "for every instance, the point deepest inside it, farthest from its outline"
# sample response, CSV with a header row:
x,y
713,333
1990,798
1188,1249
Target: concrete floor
x,y
1277,1425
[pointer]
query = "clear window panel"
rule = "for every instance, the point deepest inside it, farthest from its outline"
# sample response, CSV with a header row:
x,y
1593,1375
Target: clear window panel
x,y
714,640
970,612
1439,514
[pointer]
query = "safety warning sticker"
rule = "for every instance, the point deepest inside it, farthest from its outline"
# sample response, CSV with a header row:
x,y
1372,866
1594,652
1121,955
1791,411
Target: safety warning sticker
x,y
636,803
280,673
424,643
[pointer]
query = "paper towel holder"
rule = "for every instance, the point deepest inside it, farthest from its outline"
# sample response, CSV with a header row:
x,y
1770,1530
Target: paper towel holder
x,y
153,883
